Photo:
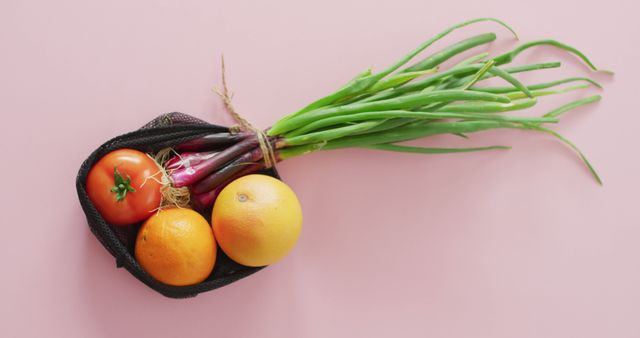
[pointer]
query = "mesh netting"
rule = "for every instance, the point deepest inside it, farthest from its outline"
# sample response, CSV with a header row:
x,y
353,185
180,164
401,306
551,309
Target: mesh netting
x,y
164,131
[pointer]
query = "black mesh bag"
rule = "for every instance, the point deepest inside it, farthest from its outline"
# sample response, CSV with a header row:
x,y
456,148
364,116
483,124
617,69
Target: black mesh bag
x,y
164,131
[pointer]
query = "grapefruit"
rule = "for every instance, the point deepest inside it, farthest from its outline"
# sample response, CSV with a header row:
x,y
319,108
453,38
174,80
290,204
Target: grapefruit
x,y
256,220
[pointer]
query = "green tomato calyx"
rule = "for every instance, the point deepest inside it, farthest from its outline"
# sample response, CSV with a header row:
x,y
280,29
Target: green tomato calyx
x,y
121,186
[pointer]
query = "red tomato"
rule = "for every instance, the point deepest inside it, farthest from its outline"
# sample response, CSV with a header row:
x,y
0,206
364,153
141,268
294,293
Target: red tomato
x,y
115,186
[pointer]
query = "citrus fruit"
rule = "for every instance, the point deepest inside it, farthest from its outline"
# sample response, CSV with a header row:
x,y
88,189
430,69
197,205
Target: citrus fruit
x,y
176,247
256,220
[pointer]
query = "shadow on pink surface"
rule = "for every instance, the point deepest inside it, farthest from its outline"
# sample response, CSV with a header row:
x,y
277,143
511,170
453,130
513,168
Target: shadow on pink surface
x,y
113,300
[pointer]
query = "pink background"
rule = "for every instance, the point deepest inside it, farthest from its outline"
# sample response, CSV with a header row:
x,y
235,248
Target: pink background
x,y
520,243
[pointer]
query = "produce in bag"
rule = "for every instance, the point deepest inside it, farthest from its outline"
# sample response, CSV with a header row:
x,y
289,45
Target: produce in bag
x,y
256,219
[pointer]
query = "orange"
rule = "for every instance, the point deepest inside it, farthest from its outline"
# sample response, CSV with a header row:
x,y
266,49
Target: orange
x,y
176,247
256,220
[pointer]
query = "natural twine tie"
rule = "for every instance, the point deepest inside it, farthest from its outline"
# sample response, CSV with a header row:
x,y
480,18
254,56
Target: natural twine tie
x,y
266,147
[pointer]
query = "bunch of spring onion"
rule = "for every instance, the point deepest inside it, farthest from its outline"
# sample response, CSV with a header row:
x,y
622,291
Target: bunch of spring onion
x,y
378,110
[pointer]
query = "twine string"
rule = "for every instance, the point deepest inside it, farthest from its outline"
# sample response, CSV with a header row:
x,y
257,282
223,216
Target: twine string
x,y
266,147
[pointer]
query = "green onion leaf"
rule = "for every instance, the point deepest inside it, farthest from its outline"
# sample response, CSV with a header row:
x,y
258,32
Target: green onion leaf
x,y
424,150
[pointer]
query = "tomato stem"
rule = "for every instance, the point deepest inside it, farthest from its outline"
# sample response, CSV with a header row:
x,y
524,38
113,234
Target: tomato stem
x,y
121,186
